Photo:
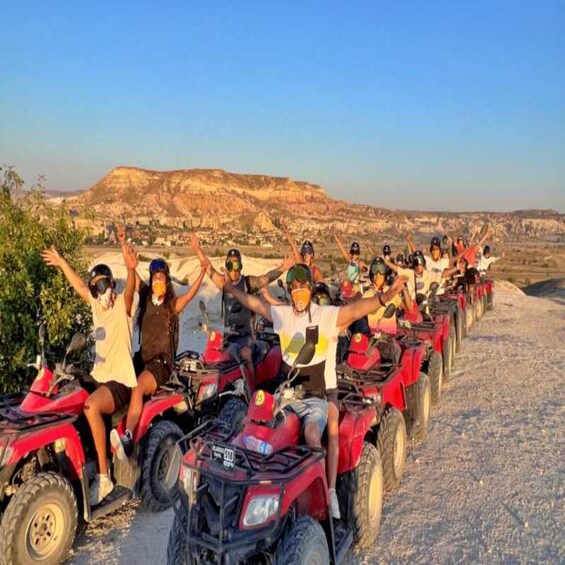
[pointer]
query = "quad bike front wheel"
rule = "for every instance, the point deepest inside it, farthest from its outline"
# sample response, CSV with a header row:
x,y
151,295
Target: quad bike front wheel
x,y
418,405
158,481
391,443
449,353
304,543
40,522
177,549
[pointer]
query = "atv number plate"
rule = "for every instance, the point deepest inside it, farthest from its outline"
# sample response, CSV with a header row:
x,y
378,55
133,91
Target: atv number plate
x,y
225,455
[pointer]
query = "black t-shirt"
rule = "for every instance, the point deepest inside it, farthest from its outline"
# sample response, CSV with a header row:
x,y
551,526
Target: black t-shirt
x,y
157,336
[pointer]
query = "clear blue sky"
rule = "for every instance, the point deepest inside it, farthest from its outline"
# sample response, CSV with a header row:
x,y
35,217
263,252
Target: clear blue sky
x,y
424,105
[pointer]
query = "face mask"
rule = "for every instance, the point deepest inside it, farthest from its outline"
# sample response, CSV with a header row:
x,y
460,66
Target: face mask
x,y
105,299
159,289
301,298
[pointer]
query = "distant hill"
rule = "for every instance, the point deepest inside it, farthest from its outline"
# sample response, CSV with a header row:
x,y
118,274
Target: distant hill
x,y
214,198
551,288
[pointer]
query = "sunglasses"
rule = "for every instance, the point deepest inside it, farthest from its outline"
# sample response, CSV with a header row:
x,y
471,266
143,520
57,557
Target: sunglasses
x,y
381,269
233,265
99,287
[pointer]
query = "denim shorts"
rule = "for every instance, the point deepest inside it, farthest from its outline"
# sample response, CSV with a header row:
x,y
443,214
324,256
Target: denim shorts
x,y
311,410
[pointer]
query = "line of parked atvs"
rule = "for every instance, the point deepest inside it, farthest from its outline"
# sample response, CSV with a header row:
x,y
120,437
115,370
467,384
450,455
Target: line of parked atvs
x,y
223,451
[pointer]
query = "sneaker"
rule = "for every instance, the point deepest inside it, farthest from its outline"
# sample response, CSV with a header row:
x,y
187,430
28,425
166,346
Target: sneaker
x,y
122,444
334,505
100,489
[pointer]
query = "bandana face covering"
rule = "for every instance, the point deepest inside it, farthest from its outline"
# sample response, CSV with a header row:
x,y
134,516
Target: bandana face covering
x,y
159,289
105,299
301,298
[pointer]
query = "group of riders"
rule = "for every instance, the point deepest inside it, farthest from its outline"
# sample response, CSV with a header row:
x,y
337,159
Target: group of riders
x,y
359,302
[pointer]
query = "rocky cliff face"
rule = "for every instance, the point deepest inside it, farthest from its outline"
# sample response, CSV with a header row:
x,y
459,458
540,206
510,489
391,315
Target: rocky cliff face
x,y
212,198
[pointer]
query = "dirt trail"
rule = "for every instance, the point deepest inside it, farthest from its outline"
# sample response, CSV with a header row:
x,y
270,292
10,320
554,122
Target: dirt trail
x,y
488,484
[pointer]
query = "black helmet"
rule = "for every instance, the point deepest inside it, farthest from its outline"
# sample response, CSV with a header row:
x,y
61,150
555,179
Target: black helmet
x,y
377,266
158,266
387,250
234,256
321,294
101,278
418,259
307,248
301,273
435,242
355,249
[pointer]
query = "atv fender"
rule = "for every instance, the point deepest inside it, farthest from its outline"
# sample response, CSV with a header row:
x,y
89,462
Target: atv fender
x,y
352,431
66,440
151,410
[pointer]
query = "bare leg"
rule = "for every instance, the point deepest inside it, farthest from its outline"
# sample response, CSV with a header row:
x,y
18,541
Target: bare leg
x,y
146,384
247,356
312,435
99,403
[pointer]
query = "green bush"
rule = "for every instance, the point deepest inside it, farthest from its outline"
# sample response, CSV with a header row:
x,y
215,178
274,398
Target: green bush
x,y
29,288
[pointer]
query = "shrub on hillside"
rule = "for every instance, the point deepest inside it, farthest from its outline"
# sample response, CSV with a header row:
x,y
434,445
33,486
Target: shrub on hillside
x,y
29,289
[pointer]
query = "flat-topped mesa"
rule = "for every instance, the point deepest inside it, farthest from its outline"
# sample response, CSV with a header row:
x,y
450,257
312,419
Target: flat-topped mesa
x,y
262,187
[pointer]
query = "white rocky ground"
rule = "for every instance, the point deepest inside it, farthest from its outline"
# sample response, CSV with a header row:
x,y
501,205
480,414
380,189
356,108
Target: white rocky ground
x,y
487,486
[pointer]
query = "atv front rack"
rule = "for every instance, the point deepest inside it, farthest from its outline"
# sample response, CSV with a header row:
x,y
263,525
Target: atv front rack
x,y
249,467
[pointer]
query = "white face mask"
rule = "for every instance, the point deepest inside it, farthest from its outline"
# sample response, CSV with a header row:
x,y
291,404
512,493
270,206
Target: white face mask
x,y
105,299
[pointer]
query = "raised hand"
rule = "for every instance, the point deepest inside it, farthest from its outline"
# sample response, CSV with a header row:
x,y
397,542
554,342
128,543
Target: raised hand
x,y
194,242
122,234
131,259
204,263
288,262
52,257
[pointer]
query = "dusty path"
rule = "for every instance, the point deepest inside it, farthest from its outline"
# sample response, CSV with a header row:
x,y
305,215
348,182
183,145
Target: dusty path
x,y
486,487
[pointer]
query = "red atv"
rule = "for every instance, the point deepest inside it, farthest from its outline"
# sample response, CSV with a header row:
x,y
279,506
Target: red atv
x,y
403,391
47,459
434,332
226,385
262,495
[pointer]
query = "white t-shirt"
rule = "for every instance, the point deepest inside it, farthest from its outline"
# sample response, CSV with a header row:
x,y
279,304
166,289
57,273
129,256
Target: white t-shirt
x,y
436,266
112,335
485,262
291,329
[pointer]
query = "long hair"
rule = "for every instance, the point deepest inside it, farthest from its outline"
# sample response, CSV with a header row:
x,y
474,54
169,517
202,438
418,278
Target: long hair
x,y
169,302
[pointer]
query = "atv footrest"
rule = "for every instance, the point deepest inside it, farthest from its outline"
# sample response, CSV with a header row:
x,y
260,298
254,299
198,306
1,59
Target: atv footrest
x,y
343,541
112,502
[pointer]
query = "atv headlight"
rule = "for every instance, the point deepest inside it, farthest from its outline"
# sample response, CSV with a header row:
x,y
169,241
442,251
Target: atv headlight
x,y
260,509
207,391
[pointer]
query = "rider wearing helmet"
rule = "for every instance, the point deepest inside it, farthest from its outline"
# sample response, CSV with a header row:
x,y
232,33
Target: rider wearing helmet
x,y
378,275
113,367
321,294
355,265
237,316
318,377
434,261
305,255
158,326
387,252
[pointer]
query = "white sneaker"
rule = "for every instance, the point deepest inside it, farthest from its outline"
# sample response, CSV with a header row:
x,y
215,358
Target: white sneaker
x,y
100,489
334,505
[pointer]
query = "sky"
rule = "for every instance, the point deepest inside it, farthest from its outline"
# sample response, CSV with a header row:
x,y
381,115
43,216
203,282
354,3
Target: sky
x,y
441,105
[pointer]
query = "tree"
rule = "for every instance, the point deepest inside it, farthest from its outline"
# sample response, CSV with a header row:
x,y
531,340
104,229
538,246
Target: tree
x,y
29,289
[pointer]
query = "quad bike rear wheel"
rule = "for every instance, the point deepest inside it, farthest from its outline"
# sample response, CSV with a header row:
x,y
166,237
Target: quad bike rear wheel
x,y
391,443
233,412
158,482
40,522
418,405
435,374
470,312
459,328
305,543
177,550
